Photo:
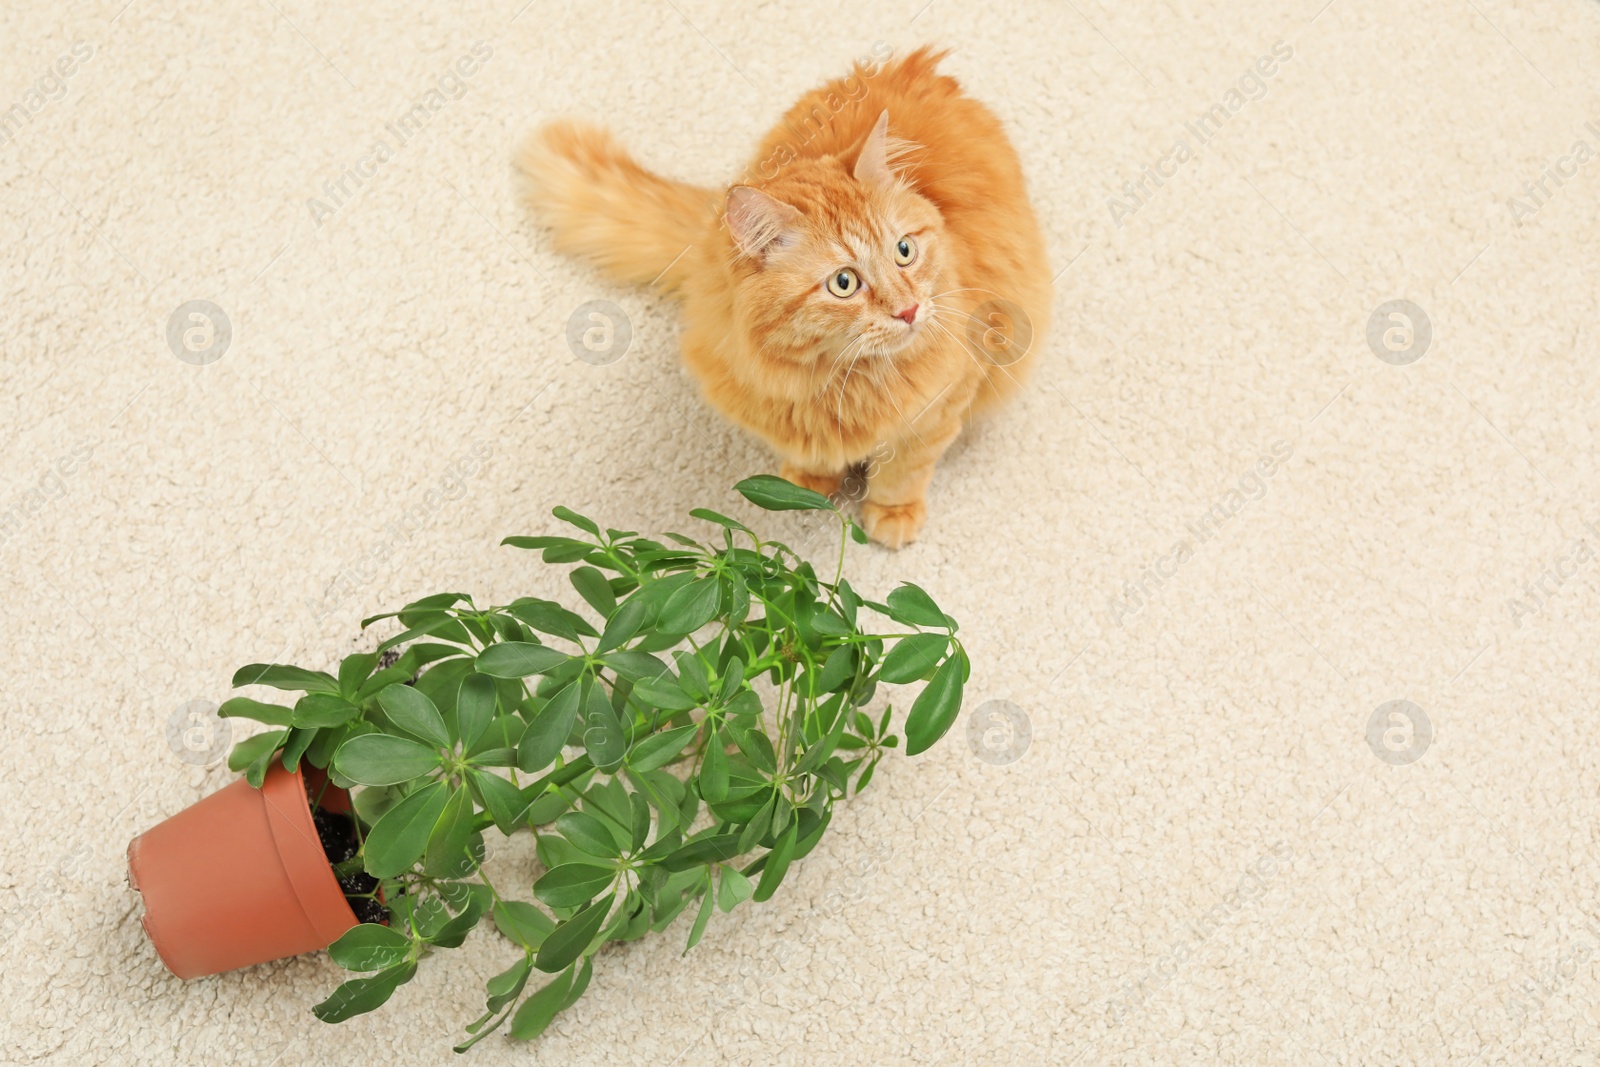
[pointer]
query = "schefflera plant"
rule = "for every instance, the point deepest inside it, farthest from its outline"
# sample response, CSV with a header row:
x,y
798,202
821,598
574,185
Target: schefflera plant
x,y
680,746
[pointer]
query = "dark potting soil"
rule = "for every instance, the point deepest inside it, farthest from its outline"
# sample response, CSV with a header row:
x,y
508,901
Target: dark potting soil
x,y
338,835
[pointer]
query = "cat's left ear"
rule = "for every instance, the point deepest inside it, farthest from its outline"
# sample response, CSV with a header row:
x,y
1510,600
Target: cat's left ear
x,y
872,165
760,224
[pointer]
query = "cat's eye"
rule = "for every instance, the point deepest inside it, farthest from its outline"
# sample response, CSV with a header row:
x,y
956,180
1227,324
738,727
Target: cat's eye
x,y
905,251
844,283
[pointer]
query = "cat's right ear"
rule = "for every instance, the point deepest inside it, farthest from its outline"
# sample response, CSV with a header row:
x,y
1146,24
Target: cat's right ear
x,y
760,224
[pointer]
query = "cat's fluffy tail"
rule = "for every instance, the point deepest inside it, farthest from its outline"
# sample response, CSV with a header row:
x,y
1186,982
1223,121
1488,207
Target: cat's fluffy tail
x,y
604,207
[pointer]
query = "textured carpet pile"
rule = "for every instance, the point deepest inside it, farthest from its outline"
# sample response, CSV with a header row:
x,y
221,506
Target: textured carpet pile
x,y
1281,581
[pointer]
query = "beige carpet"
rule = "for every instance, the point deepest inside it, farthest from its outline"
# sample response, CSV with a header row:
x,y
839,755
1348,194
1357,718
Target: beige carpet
x,y
1211,850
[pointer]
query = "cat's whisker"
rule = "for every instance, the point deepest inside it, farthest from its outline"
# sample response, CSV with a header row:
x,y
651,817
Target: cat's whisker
x,y
898,409
942,328
838,359
839,410
988,366
833,364
838,415
832,367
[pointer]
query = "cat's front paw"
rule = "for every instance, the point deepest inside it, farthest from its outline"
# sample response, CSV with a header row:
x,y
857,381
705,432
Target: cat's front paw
x,y
894,525
826,484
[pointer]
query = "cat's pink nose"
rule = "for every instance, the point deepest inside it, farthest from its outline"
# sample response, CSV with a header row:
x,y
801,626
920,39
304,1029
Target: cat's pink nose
x,y
909,315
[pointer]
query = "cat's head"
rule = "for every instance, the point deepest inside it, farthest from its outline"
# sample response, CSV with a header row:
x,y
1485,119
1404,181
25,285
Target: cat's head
x,y
833,255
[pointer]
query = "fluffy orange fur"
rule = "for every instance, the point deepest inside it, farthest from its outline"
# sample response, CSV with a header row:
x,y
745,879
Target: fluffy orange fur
x,y
805,319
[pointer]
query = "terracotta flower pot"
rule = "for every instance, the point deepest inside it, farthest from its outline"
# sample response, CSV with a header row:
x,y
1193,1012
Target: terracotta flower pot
x,y
240,878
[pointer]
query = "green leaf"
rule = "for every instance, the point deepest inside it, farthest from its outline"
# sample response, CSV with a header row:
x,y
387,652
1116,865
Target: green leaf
x,y
285,676
444,625
454,932
503,733
315,710
370,947
733,890
520,541
826,622
412,711
839,668
819,752
811,830
718,848
698,930
382,759
504,802
936,707
633,665
738,605
570,884
641,822
720,519
756,829
714,771
549,729
663,692
567,515
909,605
595,588
446,855
693,677
622,624
866,775
540,1010
588,833
658,750
295,745
245,708
320,752
256,773
254,748
744,705
665,844
691,607
775,494
849,602
518,659
401,835
732,680
777,863
580,983
523,923
361,995
507,986
913,658
549,617
567,941
475,707
435,602
353,670
603,736
758,747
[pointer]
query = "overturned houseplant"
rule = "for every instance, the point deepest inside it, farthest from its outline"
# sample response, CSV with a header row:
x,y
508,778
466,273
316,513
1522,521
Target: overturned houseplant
x,y
678,746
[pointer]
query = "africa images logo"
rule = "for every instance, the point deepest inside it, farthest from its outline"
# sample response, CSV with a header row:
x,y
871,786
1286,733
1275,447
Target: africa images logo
x,y
52,86
451,85
1252,85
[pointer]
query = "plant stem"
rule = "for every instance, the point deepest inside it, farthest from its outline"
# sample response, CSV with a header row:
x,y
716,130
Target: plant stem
x,y
352,866
844,538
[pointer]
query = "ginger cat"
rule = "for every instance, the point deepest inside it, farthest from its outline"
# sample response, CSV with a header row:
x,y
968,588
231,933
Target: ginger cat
x,y
856,297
